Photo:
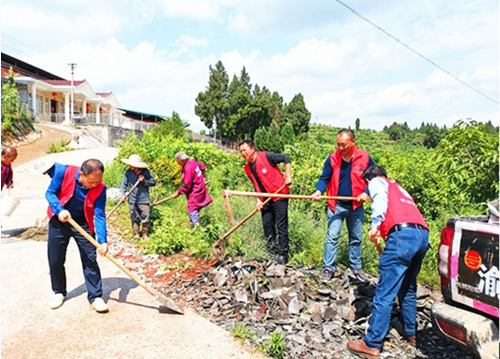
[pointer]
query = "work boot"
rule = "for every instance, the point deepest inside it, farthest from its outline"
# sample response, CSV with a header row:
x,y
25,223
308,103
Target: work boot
x,y
145,230
360,348
136,228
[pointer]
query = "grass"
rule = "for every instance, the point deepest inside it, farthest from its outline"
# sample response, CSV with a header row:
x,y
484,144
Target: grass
x,y
61,146
274,346
241,331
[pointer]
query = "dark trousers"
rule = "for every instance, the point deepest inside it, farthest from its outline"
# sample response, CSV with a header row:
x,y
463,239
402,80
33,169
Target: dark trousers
x,y
59,235
275,215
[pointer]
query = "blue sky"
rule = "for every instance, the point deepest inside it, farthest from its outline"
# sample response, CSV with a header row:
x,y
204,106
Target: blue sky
x,y
155,55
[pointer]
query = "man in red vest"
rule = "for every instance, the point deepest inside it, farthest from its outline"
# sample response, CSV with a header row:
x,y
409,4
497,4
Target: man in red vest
x,y
262,169
78,193
343,176
396,219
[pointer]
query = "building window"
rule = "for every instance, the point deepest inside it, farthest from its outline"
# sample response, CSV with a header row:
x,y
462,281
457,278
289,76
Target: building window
x,y
38,104
23,94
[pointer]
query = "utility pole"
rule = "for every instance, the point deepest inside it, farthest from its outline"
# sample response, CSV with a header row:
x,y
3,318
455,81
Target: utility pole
x,y
73,66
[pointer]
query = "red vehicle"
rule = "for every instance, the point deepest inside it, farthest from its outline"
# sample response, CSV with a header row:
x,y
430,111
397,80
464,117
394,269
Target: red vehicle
x,y
470,284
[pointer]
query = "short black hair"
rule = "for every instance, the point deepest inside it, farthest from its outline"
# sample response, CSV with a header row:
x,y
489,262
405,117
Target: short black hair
x,y
374,171
248,142
92,166
9,151
348,132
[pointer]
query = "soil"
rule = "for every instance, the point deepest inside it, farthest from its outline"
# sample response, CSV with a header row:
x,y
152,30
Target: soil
x,y
37,145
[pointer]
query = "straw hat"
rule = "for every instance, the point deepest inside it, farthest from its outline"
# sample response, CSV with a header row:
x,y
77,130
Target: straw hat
x,y
135,161
42,166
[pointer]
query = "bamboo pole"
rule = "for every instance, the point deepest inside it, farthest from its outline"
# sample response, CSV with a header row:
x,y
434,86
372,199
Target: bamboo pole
x,y
280,195
123,199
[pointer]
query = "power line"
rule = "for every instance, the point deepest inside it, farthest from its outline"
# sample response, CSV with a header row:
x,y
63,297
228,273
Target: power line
x,y
414,51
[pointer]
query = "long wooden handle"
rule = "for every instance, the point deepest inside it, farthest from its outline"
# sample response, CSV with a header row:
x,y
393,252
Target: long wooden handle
x,y
280,195
377,245
110,257
248,216
163,200
123,199
228,207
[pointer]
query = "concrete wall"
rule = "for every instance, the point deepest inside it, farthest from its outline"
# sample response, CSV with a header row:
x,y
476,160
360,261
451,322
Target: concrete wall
x,y
108,135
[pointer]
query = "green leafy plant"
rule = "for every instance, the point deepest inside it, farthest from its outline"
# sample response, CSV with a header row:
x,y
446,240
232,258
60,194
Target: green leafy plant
x,y
242,331
274,346
60,146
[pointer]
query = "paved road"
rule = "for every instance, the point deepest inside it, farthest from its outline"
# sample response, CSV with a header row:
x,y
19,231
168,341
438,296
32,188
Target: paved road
x,y
134,327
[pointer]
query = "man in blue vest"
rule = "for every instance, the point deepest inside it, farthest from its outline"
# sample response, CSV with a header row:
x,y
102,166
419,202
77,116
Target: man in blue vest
x,y
395,218
343,176
262,169
78,193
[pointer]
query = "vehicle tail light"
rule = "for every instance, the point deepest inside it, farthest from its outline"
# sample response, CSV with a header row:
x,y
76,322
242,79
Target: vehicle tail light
x,y
452,331
444,253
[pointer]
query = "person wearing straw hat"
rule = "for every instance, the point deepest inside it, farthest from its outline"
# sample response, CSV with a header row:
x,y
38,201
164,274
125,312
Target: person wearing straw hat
x,y
193,186
139,200
9,155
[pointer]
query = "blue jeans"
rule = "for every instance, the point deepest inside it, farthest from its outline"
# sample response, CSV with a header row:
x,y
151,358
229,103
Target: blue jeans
x,y
354,221
59,236
398,268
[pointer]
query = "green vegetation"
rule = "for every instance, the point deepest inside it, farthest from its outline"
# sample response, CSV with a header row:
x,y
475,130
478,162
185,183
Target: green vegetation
x,y
15,122
236,110
274,346
242,331
61,146
455,178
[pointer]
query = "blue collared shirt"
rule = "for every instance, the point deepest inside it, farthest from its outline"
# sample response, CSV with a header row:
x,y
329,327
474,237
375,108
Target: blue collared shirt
x,y
75,204
379,193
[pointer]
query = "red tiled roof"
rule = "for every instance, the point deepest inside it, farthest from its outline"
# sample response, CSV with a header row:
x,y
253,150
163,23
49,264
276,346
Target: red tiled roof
x,y
63,82
103,94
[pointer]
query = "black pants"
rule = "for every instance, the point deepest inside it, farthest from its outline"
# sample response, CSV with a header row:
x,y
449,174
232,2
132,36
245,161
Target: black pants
x,y
59,236
275,215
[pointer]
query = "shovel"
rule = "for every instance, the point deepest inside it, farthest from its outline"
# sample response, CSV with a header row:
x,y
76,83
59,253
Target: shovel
x,y
123,199
169,303
219,247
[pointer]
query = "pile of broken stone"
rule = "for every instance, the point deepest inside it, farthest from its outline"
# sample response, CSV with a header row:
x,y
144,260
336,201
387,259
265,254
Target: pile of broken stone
x,y
317,319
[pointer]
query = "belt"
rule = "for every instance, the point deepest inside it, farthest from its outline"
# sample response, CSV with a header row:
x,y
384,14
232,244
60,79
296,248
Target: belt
x,y
400,226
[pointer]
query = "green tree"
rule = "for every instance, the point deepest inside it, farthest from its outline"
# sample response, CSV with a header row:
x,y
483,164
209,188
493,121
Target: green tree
x,y
10,98
268,139
212,106
467,161
298,115
240,100
358,124
287,135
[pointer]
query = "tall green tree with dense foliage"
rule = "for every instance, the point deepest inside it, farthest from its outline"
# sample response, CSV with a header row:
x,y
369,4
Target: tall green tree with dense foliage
x,y
298,115
240,103
358,124
173,126
212,106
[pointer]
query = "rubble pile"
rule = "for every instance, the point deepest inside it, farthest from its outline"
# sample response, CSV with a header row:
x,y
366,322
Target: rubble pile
x,y
317,319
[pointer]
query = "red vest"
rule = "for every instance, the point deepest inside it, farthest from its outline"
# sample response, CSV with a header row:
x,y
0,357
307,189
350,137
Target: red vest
x,y
400,209
68,189
359,164
270,177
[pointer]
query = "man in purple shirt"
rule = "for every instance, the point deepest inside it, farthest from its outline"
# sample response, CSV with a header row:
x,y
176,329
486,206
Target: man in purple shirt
x,y
193,186
9,155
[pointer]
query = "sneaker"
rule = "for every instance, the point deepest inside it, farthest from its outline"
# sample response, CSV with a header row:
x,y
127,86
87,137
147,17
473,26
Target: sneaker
x,y
99,305
326,275
360,275
57,300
